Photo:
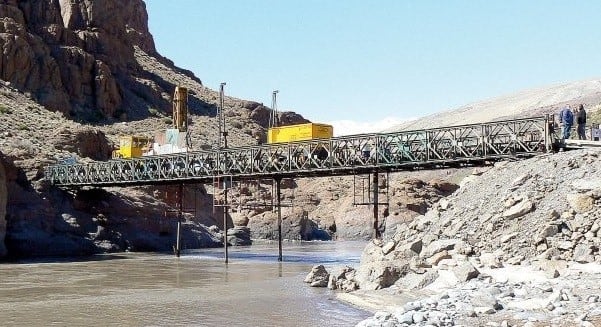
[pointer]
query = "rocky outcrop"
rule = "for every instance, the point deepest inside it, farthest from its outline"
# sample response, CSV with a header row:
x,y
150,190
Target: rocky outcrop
x,y
85,142
3,200
78,57
53,222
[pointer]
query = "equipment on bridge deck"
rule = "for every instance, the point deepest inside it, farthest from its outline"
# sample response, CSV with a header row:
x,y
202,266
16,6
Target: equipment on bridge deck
x,y
173,140
176,139
169,141
131,146
180,109
299,132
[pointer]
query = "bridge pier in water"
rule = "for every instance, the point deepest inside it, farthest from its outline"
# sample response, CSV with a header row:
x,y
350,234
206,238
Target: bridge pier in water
x,y
225,206
180,205
278,191
376,211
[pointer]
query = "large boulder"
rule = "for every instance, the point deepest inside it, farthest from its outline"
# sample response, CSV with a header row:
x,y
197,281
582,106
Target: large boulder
x,y
380,274
343,279
296,225
318,276
239,235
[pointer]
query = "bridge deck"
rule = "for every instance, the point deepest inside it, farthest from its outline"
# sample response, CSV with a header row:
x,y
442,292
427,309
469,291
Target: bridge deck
x,y
438,147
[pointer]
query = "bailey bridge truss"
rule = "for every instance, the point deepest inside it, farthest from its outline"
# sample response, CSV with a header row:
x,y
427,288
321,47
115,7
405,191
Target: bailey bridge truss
x,y
348,155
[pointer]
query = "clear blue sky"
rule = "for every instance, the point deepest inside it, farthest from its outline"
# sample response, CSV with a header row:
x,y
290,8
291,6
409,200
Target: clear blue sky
x,y
368,60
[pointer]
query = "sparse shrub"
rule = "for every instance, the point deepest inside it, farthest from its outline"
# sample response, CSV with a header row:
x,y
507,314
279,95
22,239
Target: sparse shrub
x,y
168,121
23,127
155,112
26,146
5,110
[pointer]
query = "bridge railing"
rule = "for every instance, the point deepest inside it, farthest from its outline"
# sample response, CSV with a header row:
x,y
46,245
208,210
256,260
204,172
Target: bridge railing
x,y
340,155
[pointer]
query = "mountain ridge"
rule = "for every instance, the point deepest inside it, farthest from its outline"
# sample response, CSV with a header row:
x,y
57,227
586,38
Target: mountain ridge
x,y
524,103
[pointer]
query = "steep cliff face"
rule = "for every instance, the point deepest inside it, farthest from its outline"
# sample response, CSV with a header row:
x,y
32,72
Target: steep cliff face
x,y
78,57
93,61
3,196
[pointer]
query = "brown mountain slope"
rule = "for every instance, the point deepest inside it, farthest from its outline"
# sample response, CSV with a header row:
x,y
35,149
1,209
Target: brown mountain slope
x,y
526,103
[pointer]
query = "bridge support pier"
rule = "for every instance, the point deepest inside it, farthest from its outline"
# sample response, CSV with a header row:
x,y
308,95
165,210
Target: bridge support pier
x,y
180,205
375,183
177,244
225,206
278,181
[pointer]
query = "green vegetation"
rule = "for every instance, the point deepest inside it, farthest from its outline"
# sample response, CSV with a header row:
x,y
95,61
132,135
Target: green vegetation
x,y
155,112
5,110
23,127
168,121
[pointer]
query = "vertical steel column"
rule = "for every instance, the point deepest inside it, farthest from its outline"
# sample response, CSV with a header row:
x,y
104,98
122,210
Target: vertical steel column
x,y
278,181
180,200
221,118
376,205
548,135
225,219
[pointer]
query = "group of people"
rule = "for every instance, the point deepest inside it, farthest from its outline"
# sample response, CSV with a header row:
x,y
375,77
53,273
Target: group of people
x,y
567,116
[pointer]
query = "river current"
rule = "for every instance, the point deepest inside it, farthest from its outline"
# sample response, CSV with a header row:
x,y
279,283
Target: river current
x,y
198,289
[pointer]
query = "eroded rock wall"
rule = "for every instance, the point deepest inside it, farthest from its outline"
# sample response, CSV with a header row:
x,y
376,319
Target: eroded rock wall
x,y
77,57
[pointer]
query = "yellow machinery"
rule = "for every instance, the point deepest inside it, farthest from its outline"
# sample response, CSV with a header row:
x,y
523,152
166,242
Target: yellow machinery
x,y
132,146
299,132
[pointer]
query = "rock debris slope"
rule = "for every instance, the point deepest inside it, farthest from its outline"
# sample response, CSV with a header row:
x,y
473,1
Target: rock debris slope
x,y
518,240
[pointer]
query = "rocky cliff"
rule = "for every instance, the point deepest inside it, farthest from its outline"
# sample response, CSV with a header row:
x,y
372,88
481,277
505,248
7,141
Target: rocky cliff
x,y
77,57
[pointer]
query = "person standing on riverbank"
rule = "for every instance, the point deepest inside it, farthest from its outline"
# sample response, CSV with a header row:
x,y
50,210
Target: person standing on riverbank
x,y
566,119
581,121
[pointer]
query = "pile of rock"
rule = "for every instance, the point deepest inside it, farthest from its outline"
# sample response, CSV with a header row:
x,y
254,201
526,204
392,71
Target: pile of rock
x,y
515,213
538,218
519,296
342,279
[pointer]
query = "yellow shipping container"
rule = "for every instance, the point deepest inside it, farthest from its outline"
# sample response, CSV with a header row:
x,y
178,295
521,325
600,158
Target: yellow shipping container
x,y
300,132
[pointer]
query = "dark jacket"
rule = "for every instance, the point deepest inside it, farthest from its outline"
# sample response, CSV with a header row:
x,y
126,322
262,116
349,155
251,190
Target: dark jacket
x,y
581,117
566,117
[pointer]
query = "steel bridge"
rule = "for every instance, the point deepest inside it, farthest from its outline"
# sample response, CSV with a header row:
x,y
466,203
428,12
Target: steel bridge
x,y
347,155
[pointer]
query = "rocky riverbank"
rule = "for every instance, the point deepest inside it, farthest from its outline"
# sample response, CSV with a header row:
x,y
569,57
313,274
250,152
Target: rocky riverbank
x,y
517,244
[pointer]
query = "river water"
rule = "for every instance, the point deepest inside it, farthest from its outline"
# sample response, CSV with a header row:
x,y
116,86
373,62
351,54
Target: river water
x,y
197,289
